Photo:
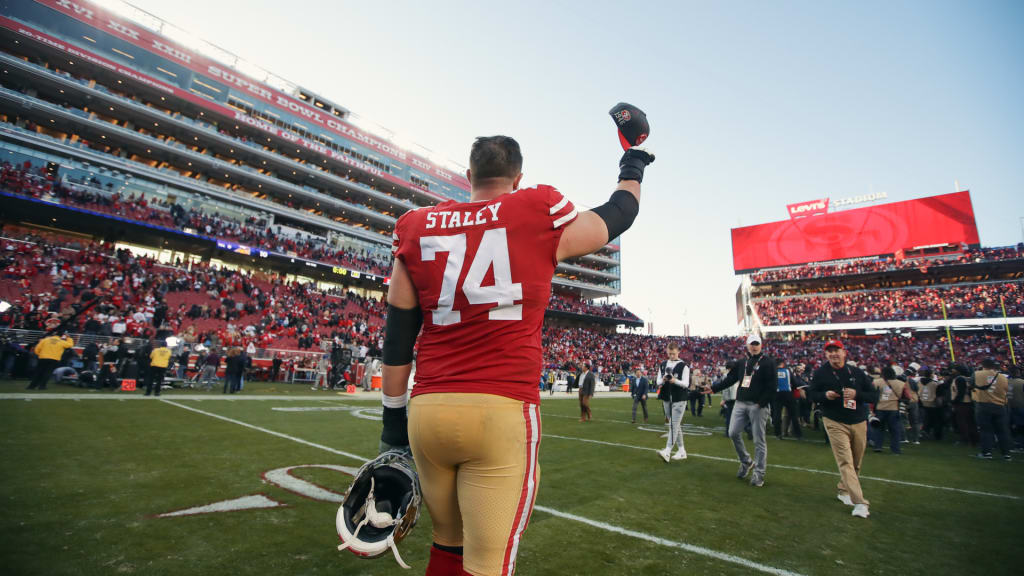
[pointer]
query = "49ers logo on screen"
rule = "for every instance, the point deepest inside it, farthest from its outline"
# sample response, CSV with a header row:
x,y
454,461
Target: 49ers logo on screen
x,y
810,208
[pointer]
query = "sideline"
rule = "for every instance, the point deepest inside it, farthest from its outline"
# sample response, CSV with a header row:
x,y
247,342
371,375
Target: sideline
x,y
699,550
798,468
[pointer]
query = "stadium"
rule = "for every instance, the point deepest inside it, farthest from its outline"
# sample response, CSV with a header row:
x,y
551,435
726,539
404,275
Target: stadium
x,y
154,189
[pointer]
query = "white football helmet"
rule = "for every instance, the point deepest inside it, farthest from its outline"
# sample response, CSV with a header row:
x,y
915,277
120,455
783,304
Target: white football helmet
x,y
380,507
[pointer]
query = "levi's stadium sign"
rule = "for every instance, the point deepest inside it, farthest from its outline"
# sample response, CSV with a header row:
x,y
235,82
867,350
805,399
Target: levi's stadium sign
x,y
811,208
817,207
856,233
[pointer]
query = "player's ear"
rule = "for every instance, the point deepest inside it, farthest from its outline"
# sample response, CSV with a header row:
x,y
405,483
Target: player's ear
x,y
469,175
515,183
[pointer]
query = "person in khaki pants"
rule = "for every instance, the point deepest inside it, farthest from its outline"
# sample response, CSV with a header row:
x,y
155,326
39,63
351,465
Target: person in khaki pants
x,y
844,392
990,392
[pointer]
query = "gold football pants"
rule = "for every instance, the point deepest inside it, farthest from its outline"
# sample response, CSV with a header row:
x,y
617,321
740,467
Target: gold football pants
x,y
476,455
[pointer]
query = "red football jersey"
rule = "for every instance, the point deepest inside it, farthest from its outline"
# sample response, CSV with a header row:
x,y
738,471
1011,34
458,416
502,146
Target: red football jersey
x,y
482,271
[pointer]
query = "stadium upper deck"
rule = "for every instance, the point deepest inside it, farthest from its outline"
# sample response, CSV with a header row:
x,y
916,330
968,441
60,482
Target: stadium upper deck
x,y
906,265
119,99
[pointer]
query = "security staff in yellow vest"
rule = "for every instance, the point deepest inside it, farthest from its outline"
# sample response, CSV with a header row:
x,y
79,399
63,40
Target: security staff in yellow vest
x,y
158,360
990,400
49,350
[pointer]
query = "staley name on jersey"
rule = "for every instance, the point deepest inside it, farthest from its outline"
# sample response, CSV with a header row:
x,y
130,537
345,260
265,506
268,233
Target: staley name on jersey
x,y
460,218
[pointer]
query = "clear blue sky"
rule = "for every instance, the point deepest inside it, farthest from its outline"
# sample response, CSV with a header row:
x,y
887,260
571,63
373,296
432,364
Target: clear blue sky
x,y
753,105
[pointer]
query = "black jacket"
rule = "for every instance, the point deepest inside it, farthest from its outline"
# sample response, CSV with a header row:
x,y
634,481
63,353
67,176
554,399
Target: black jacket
x,y
587,383
827,378
641,387
764,379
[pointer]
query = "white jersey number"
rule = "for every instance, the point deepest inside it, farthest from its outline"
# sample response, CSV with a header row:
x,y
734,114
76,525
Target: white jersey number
x,y
492,253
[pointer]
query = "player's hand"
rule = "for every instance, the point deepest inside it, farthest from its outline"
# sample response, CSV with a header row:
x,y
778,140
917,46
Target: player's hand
x,y
633,163
632,124
831,394
849,393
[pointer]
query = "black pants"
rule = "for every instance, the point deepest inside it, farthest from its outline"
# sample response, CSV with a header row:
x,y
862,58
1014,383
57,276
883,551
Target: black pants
x,y
934,422
44,369
155,379
232,382
994,421
643,403
784,400
696,404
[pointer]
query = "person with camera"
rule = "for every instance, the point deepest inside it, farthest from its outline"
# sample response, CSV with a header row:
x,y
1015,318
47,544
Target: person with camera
x,y
674,377
843,392
758,379
930,391
990,391
963,406
887,411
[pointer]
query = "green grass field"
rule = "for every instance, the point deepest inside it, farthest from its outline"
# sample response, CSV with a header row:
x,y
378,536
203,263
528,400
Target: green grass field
x,y
83,481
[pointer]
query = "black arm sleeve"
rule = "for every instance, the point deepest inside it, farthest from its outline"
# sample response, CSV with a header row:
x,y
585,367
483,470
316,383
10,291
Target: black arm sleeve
x,y
731,378
618,212
400,331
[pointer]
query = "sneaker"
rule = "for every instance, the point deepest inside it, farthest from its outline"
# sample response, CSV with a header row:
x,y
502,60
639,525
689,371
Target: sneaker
x,y
860,511
917,442
756,481
985,455
1006,457
845,499
744,470
680,455
664,454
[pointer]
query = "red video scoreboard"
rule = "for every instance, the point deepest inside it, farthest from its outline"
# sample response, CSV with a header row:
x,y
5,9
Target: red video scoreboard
x,y
857,233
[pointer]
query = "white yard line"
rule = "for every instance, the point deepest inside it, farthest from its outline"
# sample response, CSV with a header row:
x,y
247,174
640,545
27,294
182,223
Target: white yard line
x,y
699,550
266,431
669,543
797,468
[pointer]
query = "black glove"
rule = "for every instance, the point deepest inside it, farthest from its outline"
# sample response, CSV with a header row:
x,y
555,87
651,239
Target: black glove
x,y
395,435
632,164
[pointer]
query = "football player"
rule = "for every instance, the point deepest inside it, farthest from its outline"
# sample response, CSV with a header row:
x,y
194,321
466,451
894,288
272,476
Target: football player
x,y
477,277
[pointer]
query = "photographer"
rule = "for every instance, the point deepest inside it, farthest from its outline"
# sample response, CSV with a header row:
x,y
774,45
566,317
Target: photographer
x,y
963,406
887,410
990,391
674,377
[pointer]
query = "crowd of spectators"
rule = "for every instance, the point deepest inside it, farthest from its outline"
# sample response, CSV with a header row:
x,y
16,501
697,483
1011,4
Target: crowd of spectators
x,y
961,301
885,264
567,348
253,232
576,306
49,280
97,290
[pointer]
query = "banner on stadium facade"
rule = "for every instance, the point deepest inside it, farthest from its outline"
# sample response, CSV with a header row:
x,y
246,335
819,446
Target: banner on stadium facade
x,y
106,21
860,232
207,104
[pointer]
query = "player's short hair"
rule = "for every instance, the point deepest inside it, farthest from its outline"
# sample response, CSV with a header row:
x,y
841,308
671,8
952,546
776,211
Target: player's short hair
x,y
495,157
672,346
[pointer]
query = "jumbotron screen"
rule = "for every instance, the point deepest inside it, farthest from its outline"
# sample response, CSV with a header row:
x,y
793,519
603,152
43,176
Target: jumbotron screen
x,y
857,233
